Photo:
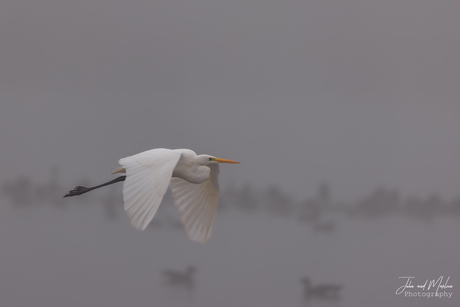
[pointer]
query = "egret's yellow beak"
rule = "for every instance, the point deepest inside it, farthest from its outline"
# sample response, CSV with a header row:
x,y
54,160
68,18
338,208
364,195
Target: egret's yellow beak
x,y
225,161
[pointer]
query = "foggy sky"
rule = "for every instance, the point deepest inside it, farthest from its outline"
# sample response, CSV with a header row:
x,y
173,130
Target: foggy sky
x,y
356,93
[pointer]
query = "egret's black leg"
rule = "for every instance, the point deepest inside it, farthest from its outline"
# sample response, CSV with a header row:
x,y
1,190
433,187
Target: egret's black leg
x,y
81,190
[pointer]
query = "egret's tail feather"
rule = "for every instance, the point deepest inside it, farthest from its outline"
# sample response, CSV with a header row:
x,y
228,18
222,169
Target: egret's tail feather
x,y
119,170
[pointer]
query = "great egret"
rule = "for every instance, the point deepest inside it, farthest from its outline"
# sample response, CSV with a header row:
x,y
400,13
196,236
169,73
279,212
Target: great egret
x,y
194,182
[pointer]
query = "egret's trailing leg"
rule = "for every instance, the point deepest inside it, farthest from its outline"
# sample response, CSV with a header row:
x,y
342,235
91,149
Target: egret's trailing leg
x,y
81,190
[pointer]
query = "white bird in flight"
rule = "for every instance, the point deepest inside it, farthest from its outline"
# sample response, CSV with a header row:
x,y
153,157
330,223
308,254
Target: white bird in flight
x,y
194,183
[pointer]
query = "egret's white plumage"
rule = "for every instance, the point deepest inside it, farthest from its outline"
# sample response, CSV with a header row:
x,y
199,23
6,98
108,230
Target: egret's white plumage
x,y
194,182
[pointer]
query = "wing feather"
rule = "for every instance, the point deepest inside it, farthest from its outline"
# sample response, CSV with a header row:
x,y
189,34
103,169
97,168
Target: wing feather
x,y
147,178
197,204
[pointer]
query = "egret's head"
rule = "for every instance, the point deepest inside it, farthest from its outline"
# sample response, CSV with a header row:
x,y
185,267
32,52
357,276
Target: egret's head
x,y
207,159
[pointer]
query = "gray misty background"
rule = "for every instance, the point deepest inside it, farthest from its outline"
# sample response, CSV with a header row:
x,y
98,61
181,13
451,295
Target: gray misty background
x,y
347,104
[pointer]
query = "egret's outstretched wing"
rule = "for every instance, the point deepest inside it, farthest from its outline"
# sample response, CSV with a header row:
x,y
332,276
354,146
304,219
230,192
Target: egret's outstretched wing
x,y
197,204
147,178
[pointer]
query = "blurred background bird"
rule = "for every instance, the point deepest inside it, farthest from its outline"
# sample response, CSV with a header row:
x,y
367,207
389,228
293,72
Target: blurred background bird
x,y
328,291
181,278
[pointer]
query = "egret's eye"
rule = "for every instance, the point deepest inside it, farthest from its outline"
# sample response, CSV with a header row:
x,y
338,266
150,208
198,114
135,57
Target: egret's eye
x,y
210,159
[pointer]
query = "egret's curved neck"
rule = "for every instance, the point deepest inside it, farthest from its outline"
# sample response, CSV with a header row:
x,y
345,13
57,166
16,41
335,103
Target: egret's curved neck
x,y
188,169
200,173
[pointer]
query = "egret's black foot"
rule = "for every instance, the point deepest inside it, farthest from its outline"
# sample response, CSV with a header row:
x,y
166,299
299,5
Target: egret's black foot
x,y
77,191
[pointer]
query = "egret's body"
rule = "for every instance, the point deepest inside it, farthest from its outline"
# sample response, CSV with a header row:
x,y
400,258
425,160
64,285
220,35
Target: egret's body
x,y
194,181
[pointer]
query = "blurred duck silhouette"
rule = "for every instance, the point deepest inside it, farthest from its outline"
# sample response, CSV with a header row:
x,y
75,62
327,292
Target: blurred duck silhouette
x,y
326,291
325,227
180,278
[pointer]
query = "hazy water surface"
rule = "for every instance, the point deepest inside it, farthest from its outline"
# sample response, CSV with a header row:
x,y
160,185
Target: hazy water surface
x,y
74,256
